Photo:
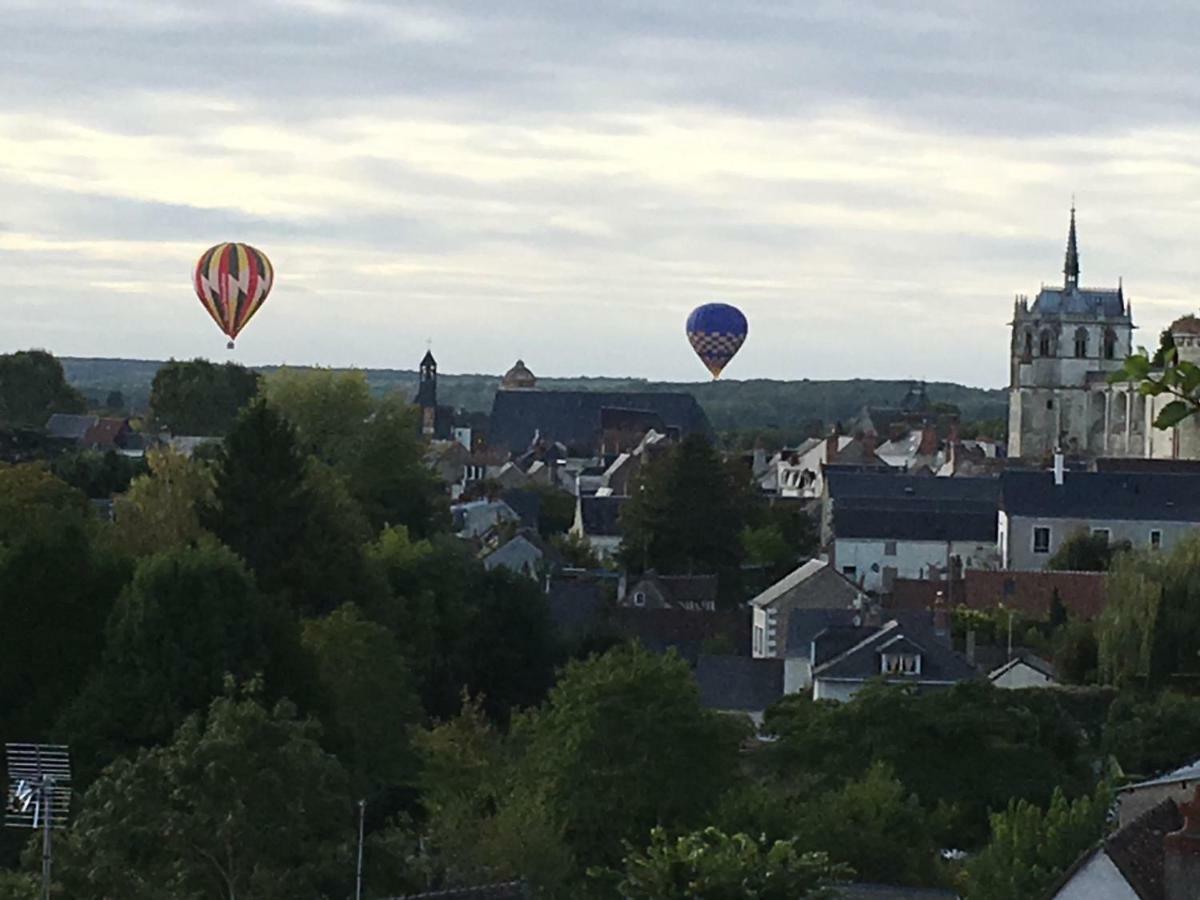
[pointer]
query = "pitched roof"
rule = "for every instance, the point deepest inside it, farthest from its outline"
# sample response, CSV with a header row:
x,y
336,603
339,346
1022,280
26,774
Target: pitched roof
x,y
1190,772
686,588
1032,593
739,682
575,604
847,485
1123,496
1036,663
939,663
1092,302
928,522
574,417
818,581
65,425
105,432
683,630
602,515
1137,849
806,624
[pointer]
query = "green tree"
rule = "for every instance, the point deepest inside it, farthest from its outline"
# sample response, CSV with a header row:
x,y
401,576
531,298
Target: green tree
x,y
1165,374
375,444
686,514
1148,735
190,618
1149,631
57,585
576,551
1030,848
242,803
623,745
32,387
1084,552
200,397
293,521
370,696
97,474
161,508
712,865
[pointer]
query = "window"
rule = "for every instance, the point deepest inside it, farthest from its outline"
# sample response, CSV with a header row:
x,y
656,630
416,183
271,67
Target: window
x,y
1046,344
1102,532
1029,343
850,571
639,599
1049,404
1080,343
1041,539
760,640
1110,343
1155,539
889,548
900,664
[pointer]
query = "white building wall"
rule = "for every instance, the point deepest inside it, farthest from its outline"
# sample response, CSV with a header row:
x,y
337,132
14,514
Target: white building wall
x,y
1097,879
1022,676
1019,553
839,691
911,559
797,675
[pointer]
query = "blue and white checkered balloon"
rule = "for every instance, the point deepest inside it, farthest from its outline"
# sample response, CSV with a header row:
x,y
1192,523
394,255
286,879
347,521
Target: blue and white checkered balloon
x,y
716,332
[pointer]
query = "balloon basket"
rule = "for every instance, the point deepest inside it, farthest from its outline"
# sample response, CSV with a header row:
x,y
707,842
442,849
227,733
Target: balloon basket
x,y
229,346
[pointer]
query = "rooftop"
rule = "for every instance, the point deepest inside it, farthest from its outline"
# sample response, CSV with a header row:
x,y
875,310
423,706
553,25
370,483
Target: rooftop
x,y
739,682
1127,496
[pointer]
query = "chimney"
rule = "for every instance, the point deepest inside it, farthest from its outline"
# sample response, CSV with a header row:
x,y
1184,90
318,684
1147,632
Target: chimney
x,y
869,441
831,447
929,441
941,619
1181,854
1059,472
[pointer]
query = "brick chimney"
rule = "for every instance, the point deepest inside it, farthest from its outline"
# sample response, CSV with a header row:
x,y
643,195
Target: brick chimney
x,y
1181,854
831,447
929,441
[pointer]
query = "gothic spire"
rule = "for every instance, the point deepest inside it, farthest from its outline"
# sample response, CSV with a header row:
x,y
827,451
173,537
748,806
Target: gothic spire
x,y
1071,269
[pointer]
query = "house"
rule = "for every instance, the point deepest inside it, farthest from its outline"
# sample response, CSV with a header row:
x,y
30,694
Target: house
x,y
1030,594
880,527
688,632
522,415
1024,671
474,519
845,658
800,472
525,554
70,427
598,519
1155,856
576,606
654,591
739,684
1039,511
1178,785
813,585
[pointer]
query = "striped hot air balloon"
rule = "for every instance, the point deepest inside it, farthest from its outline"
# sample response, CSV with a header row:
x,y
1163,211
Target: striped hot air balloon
x,y
232,281
716,332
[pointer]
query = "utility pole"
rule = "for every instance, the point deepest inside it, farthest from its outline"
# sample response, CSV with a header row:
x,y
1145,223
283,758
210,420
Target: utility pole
x,y
362,810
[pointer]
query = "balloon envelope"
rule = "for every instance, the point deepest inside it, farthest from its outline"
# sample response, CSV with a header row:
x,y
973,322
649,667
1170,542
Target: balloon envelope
x,y
716,332
232,281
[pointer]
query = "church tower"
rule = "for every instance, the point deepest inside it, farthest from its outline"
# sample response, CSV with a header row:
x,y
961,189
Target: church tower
x,y
427,394
1064,346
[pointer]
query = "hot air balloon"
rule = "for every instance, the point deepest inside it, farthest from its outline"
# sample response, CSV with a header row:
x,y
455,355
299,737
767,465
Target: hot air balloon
x,y
232,281
716,331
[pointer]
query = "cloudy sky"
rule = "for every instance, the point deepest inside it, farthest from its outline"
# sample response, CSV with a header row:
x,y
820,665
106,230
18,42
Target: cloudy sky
x,y
562,180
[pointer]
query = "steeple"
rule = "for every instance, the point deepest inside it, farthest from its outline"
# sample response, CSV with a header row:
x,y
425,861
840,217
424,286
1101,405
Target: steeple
x,y
1071,269
427,385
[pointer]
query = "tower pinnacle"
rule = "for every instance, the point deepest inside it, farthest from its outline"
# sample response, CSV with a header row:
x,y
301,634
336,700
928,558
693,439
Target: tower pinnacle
x,y
1071,269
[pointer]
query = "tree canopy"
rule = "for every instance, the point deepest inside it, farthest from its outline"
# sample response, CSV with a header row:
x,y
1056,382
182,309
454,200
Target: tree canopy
x,y
200,397
32,387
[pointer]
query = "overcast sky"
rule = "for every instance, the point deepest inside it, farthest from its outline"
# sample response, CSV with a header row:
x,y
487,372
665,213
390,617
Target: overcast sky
x,y
563,180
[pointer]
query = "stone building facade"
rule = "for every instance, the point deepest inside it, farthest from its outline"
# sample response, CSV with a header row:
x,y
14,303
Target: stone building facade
x,y
1065,345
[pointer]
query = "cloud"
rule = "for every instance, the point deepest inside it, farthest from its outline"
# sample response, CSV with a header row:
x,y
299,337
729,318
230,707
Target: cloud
x,y
563,180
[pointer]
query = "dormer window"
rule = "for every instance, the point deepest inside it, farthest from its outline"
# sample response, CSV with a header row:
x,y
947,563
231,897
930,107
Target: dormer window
x,y
900,663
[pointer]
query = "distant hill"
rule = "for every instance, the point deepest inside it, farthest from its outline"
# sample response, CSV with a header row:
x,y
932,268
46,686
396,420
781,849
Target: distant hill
x,y
741,405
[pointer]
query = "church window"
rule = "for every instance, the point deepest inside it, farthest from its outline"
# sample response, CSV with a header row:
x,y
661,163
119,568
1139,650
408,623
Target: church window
x,y
1080,343
1029,343
1049,404
1110,344
1046,344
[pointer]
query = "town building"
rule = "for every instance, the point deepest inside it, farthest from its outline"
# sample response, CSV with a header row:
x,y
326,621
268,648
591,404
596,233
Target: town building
x,y
815,585
654,591
1024,671
739,685
1039,511
1179,785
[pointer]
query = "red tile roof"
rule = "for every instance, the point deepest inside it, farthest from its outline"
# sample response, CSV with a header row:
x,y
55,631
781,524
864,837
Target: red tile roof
x,y
1030,593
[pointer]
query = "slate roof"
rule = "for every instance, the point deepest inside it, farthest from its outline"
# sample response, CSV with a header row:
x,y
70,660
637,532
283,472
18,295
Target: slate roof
x,y
739,682
686,588
1036,663
575,605
683,630
574,417
601,515
510,890
614,418
65,425
821,580
805,624
844,486
1054,301
929,522
939,663
1123,496
526,504
1137,849
1190,772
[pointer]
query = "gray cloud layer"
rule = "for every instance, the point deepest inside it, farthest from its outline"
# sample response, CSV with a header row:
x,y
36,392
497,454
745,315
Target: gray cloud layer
x,y
564,180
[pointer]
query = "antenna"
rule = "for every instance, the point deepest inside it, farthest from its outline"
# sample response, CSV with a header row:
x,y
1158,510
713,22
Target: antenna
x,y
39,794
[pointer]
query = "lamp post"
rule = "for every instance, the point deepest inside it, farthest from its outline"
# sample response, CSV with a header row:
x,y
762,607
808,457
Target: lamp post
x,y
362,810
